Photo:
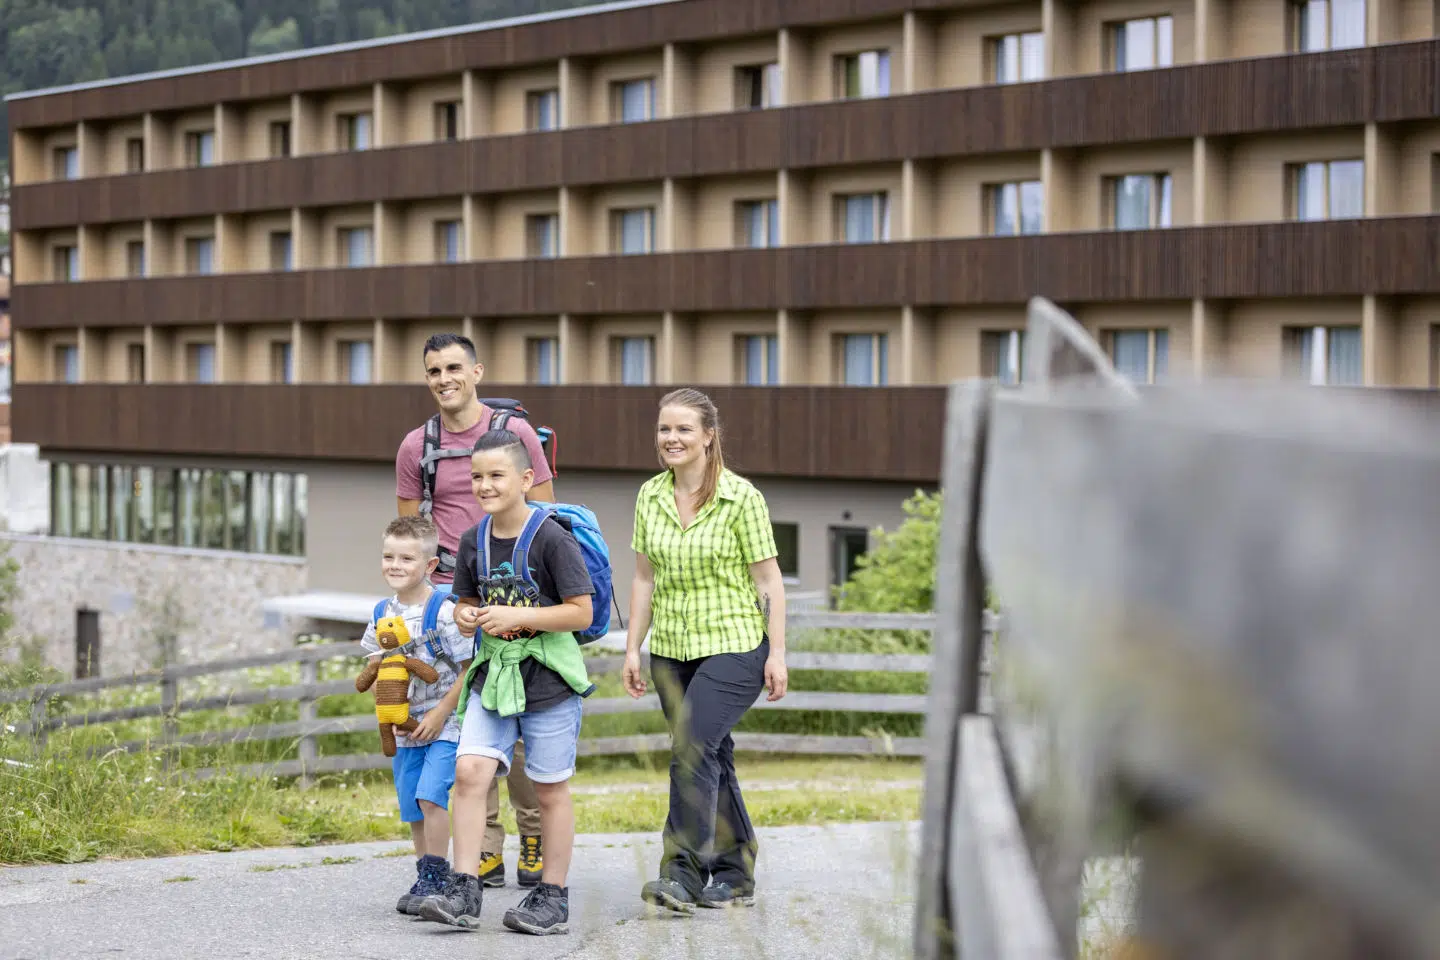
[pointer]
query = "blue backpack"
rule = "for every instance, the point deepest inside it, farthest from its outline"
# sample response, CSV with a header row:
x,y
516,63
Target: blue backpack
x,y
581,523
429,623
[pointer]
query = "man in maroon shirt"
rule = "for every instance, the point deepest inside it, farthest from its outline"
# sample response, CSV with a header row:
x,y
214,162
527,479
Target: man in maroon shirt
x,y
453,373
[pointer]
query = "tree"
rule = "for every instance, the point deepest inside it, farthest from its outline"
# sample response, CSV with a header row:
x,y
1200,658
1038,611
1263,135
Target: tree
x,y
897,575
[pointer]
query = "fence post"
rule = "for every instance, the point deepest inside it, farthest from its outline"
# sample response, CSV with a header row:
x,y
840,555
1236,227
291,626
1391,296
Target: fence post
x,y
38,710
169,715
309,674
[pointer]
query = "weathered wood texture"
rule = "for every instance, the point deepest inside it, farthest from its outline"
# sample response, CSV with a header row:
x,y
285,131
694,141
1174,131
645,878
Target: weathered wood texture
x,y
1223,596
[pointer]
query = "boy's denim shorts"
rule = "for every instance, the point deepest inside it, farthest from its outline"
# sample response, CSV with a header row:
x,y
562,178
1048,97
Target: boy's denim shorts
x,y
423,773
551,737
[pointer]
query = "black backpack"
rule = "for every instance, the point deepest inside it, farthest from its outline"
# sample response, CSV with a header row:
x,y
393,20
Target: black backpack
x,y
501,410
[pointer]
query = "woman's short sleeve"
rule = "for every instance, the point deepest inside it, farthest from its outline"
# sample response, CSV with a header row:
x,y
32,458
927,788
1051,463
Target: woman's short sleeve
x,y
752,528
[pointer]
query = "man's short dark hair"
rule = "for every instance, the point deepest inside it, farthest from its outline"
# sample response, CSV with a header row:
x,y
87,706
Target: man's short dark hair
x,y
507,441
439,341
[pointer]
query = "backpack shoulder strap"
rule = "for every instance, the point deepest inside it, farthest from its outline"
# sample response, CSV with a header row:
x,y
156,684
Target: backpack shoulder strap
x,y
379,612
430,626
538,515
482,550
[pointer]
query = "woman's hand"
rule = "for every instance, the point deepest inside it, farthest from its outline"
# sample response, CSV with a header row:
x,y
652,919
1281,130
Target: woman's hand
x,y
634,680
777,676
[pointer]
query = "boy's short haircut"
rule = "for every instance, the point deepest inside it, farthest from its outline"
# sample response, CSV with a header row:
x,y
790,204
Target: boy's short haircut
x,y
507,441
417,528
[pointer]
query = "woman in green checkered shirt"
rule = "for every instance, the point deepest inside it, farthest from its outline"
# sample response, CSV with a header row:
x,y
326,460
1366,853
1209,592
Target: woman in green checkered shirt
x,y
707,588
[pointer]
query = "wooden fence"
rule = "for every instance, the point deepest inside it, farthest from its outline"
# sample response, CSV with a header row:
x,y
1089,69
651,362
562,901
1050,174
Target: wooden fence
x,y
1220,616
310,690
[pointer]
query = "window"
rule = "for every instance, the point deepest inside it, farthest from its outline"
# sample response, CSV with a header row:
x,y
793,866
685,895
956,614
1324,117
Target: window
x,y
1140,201
1143,44
67,363
636,357
200,148
632,101
356,246
864,360
200,255
280,138
356,361
1329,191
1328,25
757,87
787,548
1002,356
447,121
757,223
135,363
282,251
234,510
200,362
1324,356
1141,356
447,241
542,358
542,235
67,163
759,360
633,231
282,362
65,264
354,131
1015,208
1018,57
864,74
863,217
135,155
542,109
135,258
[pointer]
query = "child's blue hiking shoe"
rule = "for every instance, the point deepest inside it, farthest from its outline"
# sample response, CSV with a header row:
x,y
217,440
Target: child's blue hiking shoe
x,y
433,872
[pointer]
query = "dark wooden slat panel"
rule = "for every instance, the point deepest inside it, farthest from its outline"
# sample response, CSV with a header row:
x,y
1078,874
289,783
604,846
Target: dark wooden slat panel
x,y
787,431
597,34
1339,258
1310,91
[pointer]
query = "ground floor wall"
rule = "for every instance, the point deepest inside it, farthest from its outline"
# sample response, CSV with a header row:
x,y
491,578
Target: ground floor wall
x,y
209,601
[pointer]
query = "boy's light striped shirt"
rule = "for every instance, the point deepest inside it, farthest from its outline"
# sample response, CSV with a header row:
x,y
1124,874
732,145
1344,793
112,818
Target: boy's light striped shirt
x,y
704,601
424,696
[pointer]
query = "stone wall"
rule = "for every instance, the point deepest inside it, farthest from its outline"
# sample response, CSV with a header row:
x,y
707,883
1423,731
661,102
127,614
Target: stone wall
x,y
209,600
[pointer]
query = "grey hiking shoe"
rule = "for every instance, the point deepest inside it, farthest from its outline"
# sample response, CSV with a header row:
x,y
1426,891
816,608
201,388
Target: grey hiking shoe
x,y
670,894
719,896
546,910
457,905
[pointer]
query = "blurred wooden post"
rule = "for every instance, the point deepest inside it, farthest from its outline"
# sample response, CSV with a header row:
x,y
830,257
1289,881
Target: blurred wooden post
x,y
169,716
309,673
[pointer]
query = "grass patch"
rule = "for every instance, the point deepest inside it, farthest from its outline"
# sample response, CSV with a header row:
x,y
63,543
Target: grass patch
x,y
178,879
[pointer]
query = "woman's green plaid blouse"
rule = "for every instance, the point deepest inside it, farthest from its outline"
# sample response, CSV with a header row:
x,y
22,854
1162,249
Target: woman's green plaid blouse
x,y
704,601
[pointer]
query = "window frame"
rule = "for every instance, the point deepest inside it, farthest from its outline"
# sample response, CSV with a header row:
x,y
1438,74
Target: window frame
x,y
852,64
1009,49
1157,352
995,194
1160,199
769,211
618,219
1162,33
879,358
1298,176
880,218
648,346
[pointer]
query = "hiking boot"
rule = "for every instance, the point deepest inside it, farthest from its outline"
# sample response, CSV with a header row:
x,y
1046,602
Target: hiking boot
x,y
492,869
531,863
544,911
669,894
719,896
457,905
433,872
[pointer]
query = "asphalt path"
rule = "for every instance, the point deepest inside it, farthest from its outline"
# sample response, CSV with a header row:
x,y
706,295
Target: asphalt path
x,y
824,892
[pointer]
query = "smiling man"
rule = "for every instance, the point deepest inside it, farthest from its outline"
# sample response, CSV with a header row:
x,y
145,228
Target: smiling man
x,y
453,372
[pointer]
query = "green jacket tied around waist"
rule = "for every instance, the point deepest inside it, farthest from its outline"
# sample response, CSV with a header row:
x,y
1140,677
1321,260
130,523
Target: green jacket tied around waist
x,y
504,690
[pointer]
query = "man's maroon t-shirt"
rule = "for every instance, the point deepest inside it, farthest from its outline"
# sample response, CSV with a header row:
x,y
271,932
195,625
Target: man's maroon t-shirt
x,y
455,507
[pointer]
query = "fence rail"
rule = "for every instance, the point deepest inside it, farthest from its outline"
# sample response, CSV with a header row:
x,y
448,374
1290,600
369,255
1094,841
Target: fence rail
x,y
309,691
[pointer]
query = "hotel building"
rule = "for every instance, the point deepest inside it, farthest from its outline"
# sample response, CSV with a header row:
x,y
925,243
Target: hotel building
x,y
820,210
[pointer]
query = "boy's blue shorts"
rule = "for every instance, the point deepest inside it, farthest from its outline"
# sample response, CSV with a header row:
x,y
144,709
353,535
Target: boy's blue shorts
x,y
423,773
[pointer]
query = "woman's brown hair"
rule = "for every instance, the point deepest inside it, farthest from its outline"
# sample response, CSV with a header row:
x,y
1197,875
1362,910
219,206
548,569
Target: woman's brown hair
x,y
710,422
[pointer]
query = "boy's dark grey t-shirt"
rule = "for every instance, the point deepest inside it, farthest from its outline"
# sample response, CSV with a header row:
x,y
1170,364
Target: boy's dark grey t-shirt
x,y
557,569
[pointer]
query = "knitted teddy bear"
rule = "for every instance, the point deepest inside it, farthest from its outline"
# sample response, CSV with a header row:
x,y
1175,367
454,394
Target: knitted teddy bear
x,y
390,675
